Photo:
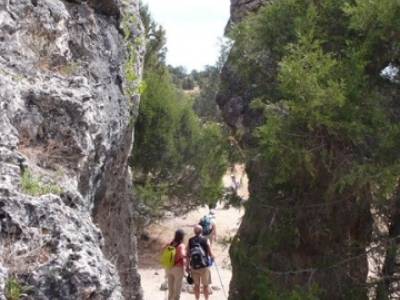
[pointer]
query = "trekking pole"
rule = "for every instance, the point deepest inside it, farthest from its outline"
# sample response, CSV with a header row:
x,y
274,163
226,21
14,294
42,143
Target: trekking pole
x,y
220,280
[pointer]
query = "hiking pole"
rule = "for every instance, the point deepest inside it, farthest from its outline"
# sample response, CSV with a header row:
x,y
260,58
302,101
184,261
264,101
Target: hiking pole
x,y
220,280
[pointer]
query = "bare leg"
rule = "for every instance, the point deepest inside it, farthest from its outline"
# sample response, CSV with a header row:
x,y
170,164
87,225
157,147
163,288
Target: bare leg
x,y
197,292
206,291
171,285
178,283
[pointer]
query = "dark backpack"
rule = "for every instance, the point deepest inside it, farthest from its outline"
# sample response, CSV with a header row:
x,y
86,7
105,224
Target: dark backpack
x,y
198,255
206,224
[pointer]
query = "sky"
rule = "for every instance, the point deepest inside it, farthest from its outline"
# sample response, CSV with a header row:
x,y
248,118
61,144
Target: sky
x,y
193,29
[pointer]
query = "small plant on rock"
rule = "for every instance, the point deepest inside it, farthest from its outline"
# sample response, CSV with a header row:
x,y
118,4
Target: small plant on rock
x,y
33,186
14,290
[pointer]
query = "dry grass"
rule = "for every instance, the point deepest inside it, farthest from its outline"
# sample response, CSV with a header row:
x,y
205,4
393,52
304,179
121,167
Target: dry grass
x,y
20,261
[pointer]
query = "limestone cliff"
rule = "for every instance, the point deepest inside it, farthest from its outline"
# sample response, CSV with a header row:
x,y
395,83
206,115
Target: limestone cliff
x,y
68,77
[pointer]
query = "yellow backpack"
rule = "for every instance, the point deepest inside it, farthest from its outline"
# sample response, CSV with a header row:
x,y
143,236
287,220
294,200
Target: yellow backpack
x,y
167,259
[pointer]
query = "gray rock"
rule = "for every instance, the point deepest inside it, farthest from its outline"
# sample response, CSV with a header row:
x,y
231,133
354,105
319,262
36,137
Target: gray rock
x,y
65,117
164,286
241,8
3,278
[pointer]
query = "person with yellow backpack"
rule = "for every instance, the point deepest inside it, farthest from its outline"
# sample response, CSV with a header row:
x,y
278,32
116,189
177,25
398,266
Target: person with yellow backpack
x,y
173,259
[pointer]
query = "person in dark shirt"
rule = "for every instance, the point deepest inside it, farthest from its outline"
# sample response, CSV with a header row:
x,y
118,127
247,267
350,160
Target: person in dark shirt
x,y
199,262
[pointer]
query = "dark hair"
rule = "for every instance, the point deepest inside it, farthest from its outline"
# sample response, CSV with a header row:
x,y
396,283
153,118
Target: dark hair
x,y
178,238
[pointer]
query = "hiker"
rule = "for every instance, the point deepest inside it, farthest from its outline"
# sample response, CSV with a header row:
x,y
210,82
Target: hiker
x,y
235,184
199,262
209,227
176,270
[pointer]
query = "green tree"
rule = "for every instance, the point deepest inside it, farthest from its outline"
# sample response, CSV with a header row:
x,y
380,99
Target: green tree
x,y
326,152
205,103
155,36
176,157
173,150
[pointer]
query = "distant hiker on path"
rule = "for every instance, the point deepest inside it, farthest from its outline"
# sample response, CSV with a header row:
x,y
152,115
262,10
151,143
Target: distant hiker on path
x,y
209,227
199,262
174,261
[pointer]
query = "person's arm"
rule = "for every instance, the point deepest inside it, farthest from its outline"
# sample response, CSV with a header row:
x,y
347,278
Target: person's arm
x,y
188,260
214,232
184,253
210,253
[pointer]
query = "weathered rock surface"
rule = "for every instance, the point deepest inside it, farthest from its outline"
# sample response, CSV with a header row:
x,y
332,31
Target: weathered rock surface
x,y
235,95
241,8
65,119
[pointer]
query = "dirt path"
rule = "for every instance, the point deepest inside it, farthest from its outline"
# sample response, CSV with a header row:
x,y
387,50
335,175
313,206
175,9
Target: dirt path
x,y
227,221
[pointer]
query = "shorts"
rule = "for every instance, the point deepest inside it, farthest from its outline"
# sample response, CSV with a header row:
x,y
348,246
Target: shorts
x,y
202,276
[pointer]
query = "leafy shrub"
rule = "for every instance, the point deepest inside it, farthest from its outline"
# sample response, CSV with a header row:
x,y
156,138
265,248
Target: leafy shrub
x,y
173,147
176,156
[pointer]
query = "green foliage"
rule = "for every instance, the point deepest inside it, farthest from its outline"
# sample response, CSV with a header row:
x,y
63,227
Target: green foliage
x,y
188,84
205,103
153,196
210,161
133,85
158,114
131,76
266,291
176,157
155,40
33,186
323,88
13,289
331,129
179,75
173,148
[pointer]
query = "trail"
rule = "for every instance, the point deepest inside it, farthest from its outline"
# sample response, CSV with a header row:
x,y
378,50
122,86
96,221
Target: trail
x,y
227,221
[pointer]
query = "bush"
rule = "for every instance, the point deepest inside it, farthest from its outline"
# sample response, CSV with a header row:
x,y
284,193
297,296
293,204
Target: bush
x,y
173,147
176,157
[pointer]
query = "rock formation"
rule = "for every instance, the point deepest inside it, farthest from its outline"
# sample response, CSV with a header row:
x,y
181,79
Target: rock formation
x,y
66,127
241,8
235,95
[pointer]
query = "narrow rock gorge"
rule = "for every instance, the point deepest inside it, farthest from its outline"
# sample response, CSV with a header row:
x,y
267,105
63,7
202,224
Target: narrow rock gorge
x,y
69,74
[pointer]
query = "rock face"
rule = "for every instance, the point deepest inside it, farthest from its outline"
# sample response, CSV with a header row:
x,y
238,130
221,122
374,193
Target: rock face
x,y
241,8
66,128
235,96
